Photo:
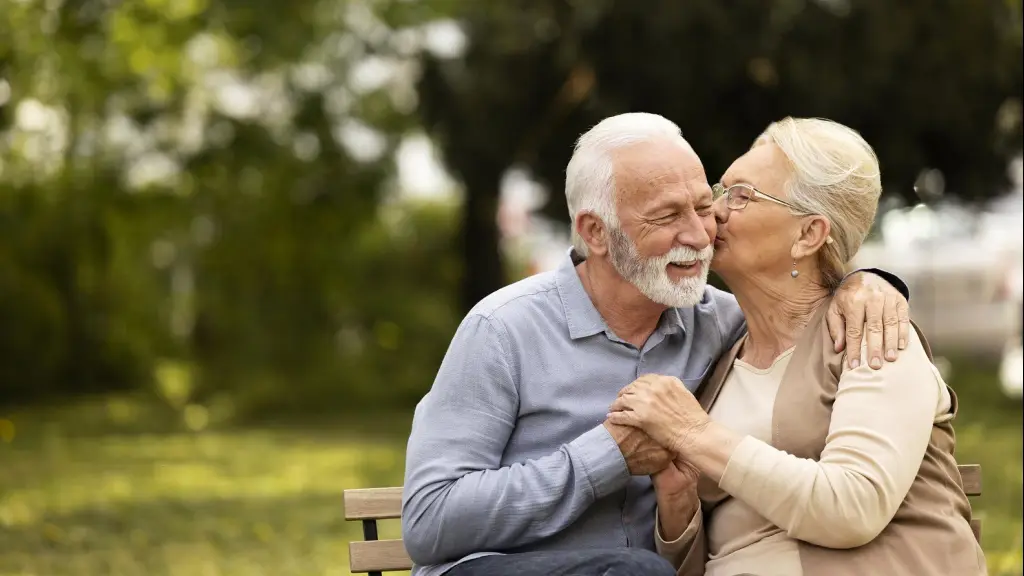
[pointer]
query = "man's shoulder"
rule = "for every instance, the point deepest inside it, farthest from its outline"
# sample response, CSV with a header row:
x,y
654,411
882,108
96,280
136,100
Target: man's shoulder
x,y
715,299
521,301
720,309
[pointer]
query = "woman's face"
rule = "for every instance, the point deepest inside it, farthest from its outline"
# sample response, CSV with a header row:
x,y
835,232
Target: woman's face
x,y
756,241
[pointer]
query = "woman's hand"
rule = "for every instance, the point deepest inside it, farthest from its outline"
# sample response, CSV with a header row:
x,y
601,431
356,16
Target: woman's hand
x,y
662,407
868,307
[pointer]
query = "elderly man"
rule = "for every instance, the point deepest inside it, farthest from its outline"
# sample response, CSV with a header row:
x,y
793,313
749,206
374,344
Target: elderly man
x,y
511,467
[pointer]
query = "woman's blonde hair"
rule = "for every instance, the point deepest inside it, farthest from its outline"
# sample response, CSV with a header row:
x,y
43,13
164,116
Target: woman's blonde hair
x,y
836,175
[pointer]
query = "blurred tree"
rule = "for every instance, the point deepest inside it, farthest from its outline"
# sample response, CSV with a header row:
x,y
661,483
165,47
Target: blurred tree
x,y
932,85
213,182
192,180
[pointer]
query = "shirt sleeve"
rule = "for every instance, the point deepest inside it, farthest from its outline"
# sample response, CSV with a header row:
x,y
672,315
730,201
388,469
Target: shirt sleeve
x,y
881,425
889,277
458,498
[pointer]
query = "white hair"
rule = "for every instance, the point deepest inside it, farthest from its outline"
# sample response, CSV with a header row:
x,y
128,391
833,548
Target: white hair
x,y
836,175
590,178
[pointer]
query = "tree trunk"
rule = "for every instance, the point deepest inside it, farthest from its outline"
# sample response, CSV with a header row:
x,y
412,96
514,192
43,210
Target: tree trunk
x,y
483,272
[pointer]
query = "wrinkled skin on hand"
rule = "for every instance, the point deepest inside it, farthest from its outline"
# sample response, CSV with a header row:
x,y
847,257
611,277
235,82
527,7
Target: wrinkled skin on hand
x,y
643,455
866,308
663,408
676,479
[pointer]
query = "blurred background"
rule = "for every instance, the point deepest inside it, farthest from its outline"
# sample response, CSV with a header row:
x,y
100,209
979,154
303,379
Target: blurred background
x,y
237,236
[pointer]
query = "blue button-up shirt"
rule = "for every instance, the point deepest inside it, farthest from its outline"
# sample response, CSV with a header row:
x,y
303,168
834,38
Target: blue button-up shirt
x,y
508,452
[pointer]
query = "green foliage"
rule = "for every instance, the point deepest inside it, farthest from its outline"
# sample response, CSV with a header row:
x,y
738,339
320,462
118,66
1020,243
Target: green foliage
x,y
181,181
254,249
373,320
60,290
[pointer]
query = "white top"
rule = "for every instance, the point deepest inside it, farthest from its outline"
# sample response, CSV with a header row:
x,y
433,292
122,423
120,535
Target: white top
x,y
739,539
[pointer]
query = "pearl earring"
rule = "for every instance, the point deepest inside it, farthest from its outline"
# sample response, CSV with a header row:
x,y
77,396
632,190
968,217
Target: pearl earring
x,y
795,272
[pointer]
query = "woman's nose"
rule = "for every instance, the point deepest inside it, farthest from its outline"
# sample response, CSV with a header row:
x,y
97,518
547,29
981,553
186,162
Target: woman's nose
x,y
721,211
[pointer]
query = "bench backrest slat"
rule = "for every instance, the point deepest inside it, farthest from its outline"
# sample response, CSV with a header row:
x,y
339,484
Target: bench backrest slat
x,y
971,475
371,504
378,556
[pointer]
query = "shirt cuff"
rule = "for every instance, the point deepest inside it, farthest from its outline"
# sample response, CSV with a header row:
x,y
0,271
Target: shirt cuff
x,y
676,547
889,277
602,461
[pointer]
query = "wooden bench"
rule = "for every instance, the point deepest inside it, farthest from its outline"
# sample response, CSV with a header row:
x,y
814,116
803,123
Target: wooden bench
x,y
374,556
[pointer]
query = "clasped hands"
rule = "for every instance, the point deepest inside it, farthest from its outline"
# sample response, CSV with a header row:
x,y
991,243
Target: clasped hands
x,y
652,421
655,419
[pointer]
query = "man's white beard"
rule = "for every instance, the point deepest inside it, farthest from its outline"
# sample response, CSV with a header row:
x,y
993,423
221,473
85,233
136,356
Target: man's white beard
x,y
650,275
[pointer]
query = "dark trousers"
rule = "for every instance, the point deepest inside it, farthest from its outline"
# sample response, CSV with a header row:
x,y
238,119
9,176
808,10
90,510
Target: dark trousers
x,y
615,562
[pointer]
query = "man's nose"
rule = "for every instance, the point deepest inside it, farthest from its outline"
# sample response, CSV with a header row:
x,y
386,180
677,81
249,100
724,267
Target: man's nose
x,y
694,234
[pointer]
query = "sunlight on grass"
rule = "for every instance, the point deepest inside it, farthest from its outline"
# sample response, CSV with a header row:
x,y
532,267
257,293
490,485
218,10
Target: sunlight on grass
x,y
116,487
218,503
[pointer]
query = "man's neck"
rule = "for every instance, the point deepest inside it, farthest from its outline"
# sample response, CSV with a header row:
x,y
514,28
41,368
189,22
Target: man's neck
x,y
776,311
628,313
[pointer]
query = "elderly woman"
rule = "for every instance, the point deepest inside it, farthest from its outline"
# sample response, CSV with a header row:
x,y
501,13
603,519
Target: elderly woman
x,y
807,466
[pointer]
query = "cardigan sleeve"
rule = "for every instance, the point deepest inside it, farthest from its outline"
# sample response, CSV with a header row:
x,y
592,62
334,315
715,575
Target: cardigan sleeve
x,y
880,428
688,552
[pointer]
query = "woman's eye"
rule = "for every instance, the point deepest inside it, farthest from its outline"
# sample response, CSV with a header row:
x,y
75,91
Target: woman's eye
x,y
705,210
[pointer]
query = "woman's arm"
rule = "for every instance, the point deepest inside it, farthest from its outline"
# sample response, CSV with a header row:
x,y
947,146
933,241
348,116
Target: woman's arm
x,y
679,526
881,424
679,536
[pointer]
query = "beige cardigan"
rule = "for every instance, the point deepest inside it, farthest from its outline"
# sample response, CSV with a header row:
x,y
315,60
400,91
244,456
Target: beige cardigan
x,y
930,532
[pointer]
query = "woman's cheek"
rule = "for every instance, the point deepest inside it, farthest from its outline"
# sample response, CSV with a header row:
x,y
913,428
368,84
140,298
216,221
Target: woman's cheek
x,y
711,226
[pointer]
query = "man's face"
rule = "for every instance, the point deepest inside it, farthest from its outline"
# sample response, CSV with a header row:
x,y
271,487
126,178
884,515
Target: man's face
x,y
664,203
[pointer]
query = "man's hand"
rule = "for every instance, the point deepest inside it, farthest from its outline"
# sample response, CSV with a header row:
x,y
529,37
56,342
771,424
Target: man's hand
x,y
643,455
676,479
866,304
676,491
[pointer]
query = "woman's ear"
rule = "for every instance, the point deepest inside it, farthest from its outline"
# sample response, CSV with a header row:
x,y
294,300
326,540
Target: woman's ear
x,y
594,233
815,231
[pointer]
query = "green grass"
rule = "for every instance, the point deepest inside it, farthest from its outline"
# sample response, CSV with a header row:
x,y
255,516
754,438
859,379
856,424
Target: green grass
x,y
988,429
116,488
78,501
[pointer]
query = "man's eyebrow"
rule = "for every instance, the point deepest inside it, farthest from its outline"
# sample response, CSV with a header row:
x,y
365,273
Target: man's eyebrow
x,y
669,204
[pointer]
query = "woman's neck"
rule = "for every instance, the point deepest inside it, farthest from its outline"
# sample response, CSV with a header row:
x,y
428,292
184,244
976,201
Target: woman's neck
x,y
776,311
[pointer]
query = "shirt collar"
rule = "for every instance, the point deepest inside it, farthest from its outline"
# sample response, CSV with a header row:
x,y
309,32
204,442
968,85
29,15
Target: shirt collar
x,y
582,316
672,320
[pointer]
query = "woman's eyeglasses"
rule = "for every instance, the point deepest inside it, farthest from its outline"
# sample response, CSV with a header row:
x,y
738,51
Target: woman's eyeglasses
x,y
739,195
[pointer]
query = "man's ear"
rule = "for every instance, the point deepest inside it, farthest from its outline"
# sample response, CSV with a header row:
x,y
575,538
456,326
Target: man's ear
x,y
594,233
815,231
